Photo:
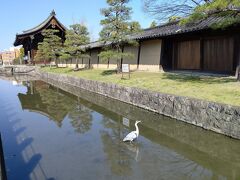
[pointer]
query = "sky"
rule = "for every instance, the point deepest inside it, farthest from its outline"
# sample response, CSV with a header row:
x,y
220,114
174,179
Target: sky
x,y
16,16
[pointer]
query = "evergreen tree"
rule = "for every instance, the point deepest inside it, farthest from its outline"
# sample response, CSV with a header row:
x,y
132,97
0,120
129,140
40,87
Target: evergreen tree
x,y
76,37
116,30
64,56
43,52
135,27
229,9
51,45
153,24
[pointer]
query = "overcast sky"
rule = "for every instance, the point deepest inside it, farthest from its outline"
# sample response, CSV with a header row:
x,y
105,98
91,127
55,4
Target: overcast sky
x,y
16,16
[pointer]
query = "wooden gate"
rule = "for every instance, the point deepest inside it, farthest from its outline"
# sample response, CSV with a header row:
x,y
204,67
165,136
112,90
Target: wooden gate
x,y
218,54
187,55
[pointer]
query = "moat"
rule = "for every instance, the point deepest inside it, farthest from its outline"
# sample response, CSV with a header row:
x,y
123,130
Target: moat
x,y
49,133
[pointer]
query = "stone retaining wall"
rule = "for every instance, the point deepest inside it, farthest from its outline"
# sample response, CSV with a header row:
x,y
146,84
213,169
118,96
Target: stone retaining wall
x,y
224,119
18,69
24,69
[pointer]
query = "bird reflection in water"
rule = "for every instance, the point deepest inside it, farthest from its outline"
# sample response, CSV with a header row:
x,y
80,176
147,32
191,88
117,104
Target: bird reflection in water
x,y
133,149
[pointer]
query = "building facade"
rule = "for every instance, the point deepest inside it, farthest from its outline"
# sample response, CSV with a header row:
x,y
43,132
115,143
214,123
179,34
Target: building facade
x,y
192,47
29,39
7,57
196,47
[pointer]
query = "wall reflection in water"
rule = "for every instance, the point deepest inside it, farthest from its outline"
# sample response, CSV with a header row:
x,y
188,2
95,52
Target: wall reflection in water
x,y
166,148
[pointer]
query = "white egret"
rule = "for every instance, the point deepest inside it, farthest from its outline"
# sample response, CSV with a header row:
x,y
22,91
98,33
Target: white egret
x,y
132,135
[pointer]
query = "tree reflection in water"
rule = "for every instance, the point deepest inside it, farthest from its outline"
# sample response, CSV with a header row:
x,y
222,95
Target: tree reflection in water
x,y
120,155
56,105
80,117
165,147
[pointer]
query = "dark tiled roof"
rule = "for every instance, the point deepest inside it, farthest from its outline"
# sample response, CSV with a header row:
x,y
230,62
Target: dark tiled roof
x,y
37,29
174,28
169,29
42,25
95,44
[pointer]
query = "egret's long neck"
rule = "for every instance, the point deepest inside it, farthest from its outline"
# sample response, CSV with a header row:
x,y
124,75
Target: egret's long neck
x,y
137,130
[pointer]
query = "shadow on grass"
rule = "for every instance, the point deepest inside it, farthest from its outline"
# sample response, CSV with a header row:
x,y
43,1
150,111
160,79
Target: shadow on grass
x,y
69,70
197,79
61,69
108,72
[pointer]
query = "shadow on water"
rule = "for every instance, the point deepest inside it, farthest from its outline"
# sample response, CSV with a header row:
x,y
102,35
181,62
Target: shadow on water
x,y
19,154
17,166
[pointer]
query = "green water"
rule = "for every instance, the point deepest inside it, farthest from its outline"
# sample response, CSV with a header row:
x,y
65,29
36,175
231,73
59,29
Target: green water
x,y
51,134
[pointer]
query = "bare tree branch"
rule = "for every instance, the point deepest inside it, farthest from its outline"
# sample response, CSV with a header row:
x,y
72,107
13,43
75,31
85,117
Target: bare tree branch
x,y
163,10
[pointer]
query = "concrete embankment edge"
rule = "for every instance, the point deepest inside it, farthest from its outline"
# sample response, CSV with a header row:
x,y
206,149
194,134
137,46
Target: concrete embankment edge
x,y
220,118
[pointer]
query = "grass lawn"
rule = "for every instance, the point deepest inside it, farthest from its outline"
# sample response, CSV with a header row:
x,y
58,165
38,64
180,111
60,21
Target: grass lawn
x,y
218,89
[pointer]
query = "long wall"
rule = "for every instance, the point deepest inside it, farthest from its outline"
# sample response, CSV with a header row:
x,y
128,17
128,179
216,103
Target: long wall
x,y
145,57
202,54
150,53
223,119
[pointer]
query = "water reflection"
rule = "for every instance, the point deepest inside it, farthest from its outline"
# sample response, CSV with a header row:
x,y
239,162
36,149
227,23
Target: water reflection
x,y
166,149
56,105
205,151
80,117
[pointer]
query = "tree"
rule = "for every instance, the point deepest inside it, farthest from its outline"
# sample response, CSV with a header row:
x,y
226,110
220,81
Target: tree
x,y
229,9
43,52
153,24
135,26
51,45
64,56
163,10
21,50
19,59
116,30
194,10
76,37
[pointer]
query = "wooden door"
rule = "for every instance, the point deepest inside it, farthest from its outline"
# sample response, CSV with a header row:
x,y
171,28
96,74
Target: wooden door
x,y
218,54
188,55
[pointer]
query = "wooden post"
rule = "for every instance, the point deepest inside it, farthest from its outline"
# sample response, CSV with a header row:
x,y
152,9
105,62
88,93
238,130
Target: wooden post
x,y
238,73
29,57
173,55
161,55
89,60
139,53
122,58
201,54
